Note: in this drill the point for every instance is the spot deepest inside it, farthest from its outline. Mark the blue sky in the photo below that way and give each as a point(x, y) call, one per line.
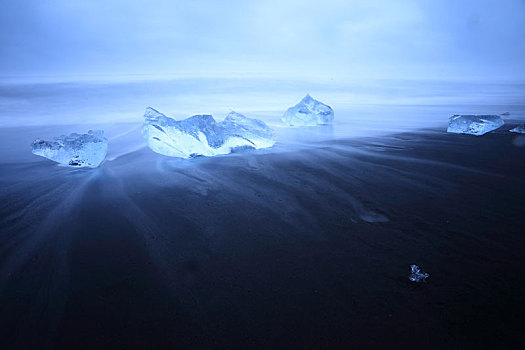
point(332, 39)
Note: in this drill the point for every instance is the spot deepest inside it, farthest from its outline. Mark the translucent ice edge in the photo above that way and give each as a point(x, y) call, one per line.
point(202, 135)
point(474, 124)
point(308, 112)
point(75, 150)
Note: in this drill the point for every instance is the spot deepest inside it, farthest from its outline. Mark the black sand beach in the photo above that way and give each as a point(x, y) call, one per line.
point(308, 248)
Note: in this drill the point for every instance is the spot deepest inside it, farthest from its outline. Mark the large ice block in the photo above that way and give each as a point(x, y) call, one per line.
point(308, 112)
point(76, 150)
point(474, 124)
point(520, 129)
point(202, 135)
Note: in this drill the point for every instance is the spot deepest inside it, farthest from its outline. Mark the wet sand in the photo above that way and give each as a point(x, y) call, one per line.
point(308, 247)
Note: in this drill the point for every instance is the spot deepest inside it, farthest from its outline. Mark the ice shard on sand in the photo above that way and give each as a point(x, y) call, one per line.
point(202, 135)
point(308, 112)
point(474, 124)
point(75, 150)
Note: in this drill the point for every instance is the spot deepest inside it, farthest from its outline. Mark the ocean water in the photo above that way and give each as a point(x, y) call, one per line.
point(362, 108)
point(90, 102)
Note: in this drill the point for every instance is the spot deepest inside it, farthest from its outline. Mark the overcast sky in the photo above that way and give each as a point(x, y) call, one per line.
point(337, 39)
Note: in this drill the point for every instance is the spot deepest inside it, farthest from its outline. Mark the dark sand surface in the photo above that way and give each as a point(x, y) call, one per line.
point(305, 248)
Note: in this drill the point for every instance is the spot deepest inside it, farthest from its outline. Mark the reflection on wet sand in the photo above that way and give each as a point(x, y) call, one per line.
point(313, 236)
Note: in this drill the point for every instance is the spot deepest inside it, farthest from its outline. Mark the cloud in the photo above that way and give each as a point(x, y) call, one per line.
point(296, 38)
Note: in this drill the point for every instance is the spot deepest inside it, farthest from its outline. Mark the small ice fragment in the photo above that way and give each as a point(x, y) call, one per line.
point(76, 150)
point(520, 129)
point(474, 124)
point(505, 114)
point(308, 112)
point(202, 135)
point(416, 275)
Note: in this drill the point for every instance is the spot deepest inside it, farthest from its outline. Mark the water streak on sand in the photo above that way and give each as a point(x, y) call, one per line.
point(225, 240)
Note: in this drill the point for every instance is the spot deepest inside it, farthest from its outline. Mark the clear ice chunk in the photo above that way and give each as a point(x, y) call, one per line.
point(308, 112)
point(202, 135)
point(520, 129)
point(76, 150)
point(416, 275)
point(474, 124)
